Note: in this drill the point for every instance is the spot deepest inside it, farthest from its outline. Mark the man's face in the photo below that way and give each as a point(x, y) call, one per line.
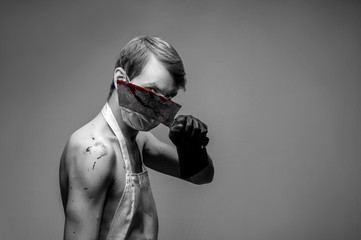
point(156, 78)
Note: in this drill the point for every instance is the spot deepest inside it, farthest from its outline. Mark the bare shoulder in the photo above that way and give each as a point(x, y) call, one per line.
point(88, 159)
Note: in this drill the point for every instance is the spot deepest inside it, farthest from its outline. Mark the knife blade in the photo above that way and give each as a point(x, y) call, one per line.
point(146, 102)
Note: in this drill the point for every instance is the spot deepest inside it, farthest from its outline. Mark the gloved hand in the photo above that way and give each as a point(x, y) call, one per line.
point(188, 134)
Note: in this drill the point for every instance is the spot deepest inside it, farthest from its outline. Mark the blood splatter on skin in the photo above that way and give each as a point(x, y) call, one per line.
point(88, 150)
point(97, 147)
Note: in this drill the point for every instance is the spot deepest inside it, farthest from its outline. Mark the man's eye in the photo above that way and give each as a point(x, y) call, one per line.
point(152, 89)
point(155, 90)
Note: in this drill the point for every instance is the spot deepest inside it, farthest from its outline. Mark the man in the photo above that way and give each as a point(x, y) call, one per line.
point(104, 184)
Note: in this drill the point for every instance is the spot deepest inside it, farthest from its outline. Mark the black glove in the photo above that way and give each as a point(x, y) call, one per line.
point(188, 134)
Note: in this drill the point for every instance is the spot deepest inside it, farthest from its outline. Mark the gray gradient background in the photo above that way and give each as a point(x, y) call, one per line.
point(277, 82)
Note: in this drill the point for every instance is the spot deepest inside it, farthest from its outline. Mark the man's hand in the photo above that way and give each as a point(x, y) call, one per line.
point(188, 134)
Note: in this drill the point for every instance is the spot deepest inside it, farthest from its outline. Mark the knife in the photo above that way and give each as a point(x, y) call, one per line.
point(150, 104)
point(146, 102)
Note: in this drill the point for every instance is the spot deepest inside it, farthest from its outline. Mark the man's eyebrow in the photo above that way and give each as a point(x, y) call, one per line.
point(150, 84)
point(155, 85)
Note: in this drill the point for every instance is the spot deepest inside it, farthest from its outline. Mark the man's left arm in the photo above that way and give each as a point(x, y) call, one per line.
point(188, 158)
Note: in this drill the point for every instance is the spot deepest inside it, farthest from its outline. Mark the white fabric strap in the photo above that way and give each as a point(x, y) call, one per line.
point(112, 122)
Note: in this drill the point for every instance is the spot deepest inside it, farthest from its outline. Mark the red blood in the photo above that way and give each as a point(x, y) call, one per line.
point(133, 86)
point(132, 89)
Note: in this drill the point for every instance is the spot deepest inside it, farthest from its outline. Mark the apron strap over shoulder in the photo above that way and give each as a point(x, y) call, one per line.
point(112, 122)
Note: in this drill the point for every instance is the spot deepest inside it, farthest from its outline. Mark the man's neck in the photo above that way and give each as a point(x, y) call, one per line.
point(129, 133)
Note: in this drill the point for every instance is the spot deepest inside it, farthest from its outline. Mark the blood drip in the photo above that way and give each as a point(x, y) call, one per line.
point(132, 89)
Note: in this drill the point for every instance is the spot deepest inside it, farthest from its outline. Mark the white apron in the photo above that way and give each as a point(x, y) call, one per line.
point(136, 215)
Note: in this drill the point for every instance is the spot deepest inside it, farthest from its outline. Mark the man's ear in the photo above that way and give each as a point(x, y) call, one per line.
point(119, 74)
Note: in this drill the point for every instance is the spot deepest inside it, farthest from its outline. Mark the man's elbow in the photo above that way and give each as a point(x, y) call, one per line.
point(203, 181)
point(203, 177)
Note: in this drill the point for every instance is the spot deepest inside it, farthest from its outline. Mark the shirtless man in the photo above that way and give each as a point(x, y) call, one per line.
point(103, 180)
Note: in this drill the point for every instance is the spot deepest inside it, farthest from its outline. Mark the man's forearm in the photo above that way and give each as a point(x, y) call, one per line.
point(193, 161)
point(205, 175)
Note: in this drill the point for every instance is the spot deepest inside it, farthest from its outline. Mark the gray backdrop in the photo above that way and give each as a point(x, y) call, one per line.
point(277, 82)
